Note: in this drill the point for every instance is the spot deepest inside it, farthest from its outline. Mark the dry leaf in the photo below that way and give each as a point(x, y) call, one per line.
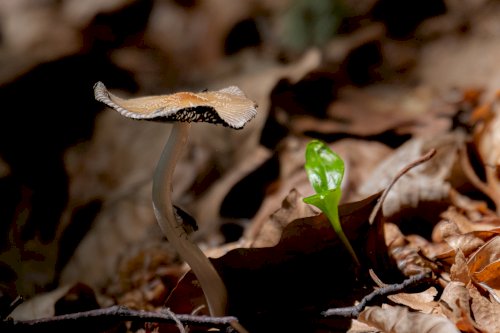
point(119, 224)
point(206, 210)
point(444, 229)
point(455, 304)
point(459, 271)
point(422, 301)
point(484, 266)
point(428, 182)
point(487, 142)
point(486, 312)
point(464, 223)
point(292, 208)
point(406, 255)
point(399, 320)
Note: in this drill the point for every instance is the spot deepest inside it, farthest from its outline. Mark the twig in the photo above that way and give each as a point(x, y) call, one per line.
point(116, 313)
point(177, 321)
point(354, 311)
point(400, 174)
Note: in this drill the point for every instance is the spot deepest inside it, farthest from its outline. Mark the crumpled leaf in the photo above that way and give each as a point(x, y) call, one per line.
point(486, 312)
point(292, 208)
point(422, 301)
point(484, 266)
point(487, 142)
point(459, 271)
point(396, 319)
point(455, 304)
point(465, 224)
point(428, 182)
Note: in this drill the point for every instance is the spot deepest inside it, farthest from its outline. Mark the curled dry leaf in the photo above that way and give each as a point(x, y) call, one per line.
point(486, 312)
point(467, 243)
point(396, 319)
point(487, 142)
point(422, 301)
point(455, 304)
point(292, 208)
point(459, 271)
point(484, 266)
point(428, 182)
point(465, 224)
point(405, 253)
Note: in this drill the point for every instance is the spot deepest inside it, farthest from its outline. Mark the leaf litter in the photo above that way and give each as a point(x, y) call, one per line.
point(282, 263)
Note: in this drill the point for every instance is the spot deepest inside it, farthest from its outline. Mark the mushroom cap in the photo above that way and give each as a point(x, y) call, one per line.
point(229, 106)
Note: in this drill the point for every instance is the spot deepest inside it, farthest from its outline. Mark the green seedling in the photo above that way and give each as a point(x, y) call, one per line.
point(325, 170)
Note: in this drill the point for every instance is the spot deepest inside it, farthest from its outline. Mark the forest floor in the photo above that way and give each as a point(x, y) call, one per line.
point(412, 108)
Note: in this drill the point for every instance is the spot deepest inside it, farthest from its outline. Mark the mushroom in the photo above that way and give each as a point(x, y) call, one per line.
point(229, 107)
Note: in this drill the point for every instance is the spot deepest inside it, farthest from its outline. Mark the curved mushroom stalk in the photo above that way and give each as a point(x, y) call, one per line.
point(210, 281)
point(228, 107)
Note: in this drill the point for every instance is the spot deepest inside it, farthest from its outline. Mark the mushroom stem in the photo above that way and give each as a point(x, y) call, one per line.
point(210, 281)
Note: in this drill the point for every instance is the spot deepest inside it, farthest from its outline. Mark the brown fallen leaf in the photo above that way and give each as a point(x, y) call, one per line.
point(459, 271)
point(422, 301)
point(207, 208)
point(487, 143)
point(465, 224)
point(455, 304)
point(467, 243)
point(484, 267)
point(486, 312)
point(396, 319)
point(426, 183)
point(292, 208)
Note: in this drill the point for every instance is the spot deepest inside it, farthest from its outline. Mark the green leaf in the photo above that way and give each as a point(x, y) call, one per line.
point(325, 170)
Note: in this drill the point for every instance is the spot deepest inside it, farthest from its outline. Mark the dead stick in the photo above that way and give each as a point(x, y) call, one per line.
point(117, 313)
point(354, 311)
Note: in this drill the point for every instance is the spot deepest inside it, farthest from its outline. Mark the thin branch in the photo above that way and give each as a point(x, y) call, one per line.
point(400, 174)
point(177, 321)
point(354, 311)
point(114, 313)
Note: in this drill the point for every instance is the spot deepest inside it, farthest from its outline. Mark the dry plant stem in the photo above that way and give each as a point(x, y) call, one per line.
point(400, 174)
point(210, 281)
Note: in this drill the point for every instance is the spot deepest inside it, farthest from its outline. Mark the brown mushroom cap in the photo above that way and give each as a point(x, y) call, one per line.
point(229, 106)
